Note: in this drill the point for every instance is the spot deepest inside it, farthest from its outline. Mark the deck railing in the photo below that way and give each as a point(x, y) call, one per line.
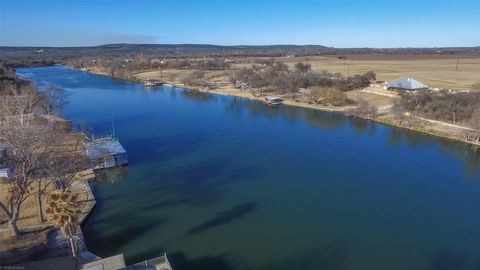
point(159, 263)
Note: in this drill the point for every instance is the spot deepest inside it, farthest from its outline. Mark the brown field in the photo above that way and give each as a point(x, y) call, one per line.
point(437, 71)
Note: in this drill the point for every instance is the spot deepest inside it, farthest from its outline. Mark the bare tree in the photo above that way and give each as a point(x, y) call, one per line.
point(329, 96)
point(34, 150)
point(363, 109)
point(303, 67)
point(54, 100)
point(474, 133)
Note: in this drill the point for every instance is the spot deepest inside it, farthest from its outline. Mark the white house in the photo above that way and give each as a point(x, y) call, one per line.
point(406, 83)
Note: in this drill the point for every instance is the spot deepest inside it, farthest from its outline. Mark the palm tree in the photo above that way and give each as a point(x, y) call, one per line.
point(62, 210)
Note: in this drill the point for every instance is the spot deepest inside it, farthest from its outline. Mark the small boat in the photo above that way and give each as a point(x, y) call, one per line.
point(272, 100)
point(152, 83)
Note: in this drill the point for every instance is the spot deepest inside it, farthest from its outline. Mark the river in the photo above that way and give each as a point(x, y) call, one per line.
point(221, 182)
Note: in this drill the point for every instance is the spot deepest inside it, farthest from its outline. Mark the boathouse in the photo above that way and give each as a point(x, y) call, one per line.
point(272, 100)
point(152, 83)
point(405, 83)
point(106, 153)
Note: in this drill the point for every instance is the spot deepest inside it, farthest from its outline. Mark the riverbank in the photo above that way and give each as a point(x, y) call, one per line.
point(206, 167)
point(381, 102)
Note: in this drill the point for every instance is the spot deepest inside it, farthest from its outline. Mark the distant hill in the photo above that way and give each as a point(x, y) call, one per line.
point(50, 55)
point(176, 49)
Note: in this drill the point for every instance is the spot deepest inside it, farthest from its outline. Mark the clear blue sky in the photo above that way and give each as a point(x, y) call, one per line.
point(337, 23)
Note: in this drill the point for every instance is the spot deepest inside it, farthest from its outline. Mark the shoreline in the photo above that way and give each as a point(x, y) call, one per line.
point(385, 120)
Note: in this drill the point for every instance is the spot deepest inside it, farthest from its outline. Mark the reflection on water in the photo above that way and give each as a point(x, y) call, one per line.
point(197, 95)
point(223, 182)
point(112, 174)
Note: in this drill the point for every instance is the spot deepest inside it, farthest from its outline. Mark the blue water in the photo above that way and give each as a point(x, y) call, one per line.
point(221, 182)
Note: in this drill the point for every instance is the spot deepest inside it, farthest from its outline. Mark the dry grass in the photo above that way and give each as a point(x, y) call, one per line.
point(437, 71)
point(28, 213)
point(372, 99)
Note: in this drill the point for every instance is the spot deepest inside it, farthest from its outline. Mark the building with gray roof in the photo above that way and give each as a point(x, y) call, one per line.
point(106, 153)
point(406, 83)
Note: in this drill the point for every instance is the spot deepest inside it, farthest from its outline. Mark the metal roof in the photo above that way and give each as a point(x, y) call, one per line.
point(272, 98)
point(406, 83)
point(104, 147)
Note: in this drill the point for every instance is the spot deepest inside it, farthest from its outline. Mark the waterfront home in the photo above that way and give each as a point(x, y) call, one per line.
point(272, 100)
point(405, 83)
point(106, 153)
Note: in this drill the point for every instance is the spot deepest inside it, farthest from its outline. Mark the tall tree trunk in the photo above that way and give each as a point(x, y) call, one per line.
point(13, 227)
point(39, 202)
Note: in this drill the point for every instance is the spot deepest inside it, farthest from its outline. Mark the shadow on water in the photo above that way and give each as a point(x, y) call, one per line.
point(162, 149)
point(332, 120)
point(447, 260)
point(314, 118)
point(200, 183)
point(197, 184)
point(112, 175)
point(224, 218)
point(333, 256)
point(362, 126)
point(197, 95)
point(180, 262)
point(468, 154)
point(126, 231)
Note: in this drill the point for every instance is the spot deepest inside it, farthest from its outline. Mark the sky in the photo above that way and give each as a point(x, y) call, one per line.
point(333, 23)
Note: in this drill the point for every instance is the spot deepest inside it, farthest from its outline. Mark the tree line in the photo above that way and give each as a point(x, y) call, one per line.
point(322, 87)
point(41, 149)
point(455, 107)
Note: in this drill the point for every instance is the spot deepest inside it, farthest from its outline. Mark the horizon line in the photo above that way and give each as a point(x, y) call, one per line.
point(237, 45)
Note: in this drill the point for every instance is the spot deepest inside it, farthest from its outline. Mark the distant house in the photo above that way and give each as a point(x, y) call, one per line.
point(5, 171)
point(241, 85)
point(106, 153)
point(405, 83)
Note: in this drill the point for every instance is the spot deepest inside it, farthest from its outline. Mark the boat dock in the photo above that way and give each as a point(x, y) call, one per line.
point(106, 153)
point(152, 83)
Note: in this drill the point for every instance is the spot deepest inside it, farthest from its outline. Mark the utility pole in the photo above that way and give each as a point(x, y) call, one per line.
point(456, 68)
